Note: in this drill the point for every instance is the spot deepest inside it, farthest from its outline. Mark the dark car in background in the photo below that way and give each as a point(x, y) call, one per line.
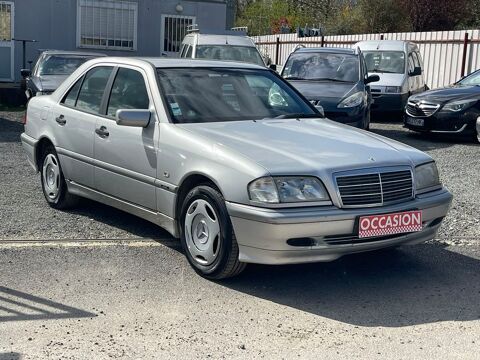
point(335, 79)
point(51, 68)
point(451, 110)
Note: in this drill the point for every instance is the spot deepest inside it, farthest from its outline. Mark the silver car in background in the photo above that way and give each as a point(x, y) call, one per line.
point(232, 160)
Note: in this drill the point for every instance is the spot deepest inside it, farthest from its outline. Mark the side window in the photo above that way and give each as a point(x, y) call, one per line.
point(411, 64)
point(419, 58)
point(128, 92)
point(189, 52)
point(91, 92)
point(182, 52)
point(71, 98)
point(415, 59)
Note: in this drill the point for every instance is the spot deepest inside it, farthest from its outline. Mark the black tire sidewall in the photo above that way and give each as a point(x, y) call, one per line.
point(215, 200)
point(62, 186)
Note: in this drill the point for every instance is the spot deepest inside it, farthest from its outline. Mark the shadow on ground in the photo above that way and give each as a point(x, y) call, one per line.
point(413, 285)
point(10, 130)
point(10, 356)
point(19, 306)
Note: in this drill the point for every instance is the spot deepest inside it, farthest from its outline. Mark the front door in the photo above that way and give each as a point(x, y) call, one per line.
point(6, 42)
point(174, 29)
point(125, 157)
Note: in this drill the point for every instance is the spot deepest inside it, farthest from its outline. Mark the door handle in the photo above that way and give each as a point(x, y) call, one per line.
point(102, 132)
point(61, 120)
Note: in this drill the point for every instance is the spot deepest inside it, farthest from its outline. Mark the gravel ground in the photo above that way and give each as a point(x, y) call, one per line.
point(25, 215)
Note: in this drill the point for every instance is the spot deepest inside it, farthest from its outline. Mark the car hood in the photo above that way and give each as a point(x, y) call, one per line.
point(307, 146)
point(388, 79)
point(49, 82)
point(449, 93)
point(318, 90)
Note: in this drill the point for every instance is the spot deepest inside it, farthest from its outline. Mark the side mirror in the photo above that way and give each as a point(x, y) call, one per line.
point(372, 78)
point(320, 110)
point(164, 54)
point(416, 71)
point(135, 118)
point(26, 72)
point(273, 67)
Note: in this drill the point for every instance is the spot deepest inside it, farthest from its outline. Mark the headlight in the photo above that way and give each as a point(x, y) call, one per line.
point(393, 89)
point(459, 105)
point(287, 189)
point(426, 176)
point(352, 101)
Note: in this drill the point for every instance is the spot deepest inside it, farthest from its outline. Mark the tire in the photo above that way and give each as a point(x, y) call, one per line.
point(53, 182)
point(207, 235)
point(367, 121)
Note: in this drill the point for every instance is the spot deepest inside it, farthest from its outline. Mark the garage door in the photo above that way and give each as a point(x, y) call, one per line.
point(6, 42)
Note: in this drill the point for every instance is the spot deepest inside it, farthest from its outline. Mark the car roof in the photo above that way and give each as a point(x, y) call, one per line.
point(66, 52)
point(334, 50)
point(392, 45)
point(165, 62)
point(215, 39)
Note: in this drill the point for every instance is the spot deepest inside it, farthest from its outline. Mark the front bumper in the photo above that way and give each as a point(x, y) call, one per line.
point(444, 122)
point(348, 116)
point(383, 102)
point(278, 236)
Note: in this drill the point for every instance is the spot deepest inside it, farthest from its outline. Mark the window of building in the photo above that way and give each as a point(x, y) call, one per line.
point(174, 29)
point(107, 24)
point(5, 22)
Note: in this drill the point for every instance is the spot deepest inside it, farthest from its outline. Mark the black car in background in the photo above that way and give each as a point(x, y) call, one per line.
point(335, 79)
point(451, 110)
point(51, 68)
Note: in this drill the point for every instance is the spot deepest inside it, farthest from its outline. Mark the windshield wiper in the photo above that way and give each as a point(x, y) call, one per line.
point(327, 79)
point(383, 71)
point(294, 78)
point(294, 116)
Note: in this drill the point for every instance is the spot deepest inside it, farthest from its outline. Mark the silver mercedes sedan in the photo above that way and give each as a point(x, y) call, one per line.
point(232, 160)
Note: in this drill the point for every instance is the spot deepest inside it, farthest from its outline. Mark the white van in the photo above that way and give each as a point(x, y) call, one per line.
point(232, 45)
point(400, 68)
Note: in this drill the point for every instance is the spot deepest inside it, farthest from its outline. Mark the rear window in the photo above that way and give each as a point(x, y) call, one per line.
point(248, 54)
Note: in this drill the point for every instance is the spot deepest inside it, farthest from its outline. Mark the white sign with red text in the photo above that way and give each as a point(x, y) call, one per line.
point(388, 224)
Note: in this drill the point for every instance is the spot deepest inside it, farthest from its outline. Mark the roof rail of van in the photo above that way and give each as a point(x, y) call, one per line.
point(240, 28)
point(193, 28)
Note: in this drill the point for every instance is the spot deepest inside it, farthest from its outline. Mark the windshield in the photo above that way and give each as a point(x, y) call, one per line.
point(61, 64)
point(322, 66)
point(472, 79)
point(199, 95)
point(247, 54)
point(385, 61)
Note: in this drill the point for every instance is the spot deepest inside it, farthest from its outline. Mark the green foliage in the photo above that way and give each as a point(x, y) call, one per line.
point(338, 17)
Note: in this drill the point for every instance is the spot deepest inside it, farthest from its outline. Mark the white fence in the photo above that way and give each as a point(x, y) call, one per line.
point(445, 53)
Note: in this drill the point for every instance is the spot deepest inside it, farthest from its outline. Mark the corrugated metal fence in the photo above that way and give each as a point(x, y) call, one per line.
point(446, 54)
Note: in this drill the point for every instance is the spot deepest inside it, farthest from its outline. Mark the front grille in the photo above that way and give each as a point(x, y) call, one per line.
point(375, 189)
point(421, 109)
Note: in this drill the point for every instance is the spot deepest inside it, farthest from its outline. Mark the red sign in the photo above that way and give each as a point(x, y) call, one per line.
point(388, 224)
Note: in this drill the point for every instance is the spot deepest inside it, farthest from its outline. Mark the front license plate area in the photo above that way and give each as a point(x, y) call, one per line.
point(389, 224)
point(415, 121)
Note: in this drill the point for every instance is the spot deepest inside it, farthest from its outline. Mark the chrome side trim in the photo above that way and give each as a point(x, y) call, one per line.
point(119, 170)
point(157, 218)
point(450, 132)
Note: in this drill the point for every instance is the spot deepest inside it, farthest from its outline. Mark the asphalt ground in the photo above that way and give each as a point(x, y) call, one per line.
point(97, 283)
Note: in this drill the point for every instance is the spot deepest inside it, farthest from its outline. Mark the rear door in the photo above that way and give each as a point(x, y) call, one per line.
point(74, 121)
point(126, 158)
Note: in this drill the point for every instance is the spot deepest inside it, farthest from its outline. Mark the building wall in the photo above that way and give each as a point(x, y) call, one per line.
point(53, 23)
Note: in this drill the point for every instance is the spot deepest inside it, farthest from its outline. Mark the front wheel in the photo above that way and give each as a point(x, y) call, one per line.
point(207, 234)
point(53, 182)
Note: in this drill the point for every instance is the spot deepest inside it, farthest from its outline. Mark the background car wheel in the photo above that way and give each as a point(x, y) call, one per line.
point(367, 121)
point(53, 183)
point(207, 234)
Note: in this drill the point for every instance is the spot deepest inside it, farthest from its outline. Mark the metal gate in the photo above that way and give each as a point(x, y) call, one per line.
point(174, 29)
point(6, 42)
